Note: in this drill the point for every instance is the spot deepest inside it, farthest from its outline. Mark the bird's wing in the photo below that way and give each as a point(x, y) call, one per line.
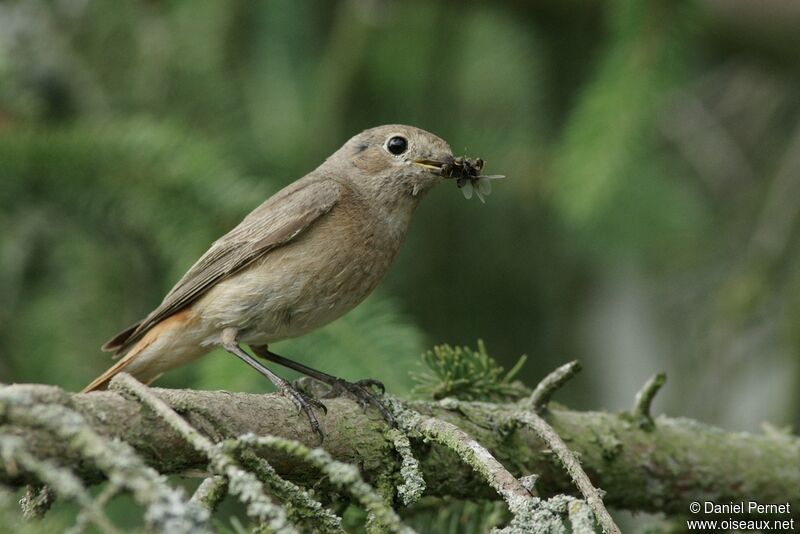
point(276, 222)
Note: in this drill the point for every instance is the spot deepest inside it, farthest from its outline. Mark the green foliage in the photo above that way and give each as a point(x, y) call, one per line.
point(467, 374)
point(99, 220)
point(605, 179)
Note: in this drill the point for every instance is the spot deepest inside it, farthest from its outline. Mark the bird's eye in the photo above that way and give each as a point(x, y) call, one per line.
point(397, 145)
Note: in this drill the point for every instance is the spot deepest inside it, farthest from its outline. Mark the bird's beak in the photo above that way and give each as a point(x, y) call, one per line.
point(432, 165)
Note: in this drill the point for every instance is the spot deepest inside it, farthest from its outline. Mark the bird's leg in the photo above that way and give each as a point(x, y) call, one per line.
point(360, 389)
point(302, 401)
point(263, 352)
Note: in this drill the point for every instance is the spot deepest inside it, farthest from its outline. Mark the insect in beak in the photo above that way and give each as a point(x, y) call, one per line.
point(469, 179)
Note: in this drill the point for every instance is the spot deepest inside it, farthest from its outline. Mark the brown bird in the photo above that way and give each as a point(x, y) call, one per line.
point(306, 256)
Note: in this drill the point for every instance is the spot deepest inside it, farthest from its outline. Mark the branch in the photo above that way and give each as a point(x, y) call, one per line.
point(644, 398)
point(243, 484)
point(551, 383)
point(661, 470)
point(573, 467)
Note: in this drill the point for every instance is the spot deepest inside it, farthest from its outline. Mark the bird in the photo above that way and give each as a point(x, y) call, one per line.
point(303, 258)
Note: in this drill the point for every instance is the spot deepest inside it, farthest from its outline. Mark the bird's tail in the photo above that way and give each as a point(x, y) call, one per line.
point(166, 345)
point(101, 382)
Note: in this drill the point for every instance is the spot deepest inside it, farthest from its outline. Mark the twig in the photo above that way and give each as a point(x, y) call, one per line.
point(573, 467)
point(304, 506)
point(644, 398)
point(344, 475)
point(538, 402)
point(480, 459)
point(472, 452)
point(100, 502)
point(544, 390)
point(210, 492)
point(126, 384)
point(12, 451)
point(413, 486)
point(241, 483)
point(527, 510)
point(44, 407)
point(738, 462)
point(531, 514)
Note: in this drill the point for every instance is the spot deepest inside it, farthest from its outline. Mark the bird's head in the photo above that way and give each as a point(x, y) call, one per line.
point(393, 163)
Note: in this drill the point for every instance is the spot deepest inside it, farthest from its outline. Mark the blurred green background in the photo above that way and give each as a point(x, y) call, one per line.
point(650, 220)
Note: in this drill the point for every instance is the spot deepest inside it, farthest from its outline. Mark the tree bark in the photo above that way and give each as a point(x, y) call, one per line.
point(660, 470)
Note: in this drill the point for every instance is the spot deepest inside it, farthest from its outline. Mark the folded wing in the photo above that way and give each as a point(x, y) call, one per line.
point(276, 222)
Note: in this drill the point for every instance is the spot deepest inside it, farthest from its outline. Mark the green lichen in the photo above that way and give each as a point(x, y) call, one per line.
point(241, 483)
point(535, 517)
point(211, 492)
point(47, 408)
point(36, 501)
point(413, 485)
point(581, 517)
point(570, 461)
point(610, 445)
point(13, 453)
point(529, 514)
point(343, 475)
point(300, 505)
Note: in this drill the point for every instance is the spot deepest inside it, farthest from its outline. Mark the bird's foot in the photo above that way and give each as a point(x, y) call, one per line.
point(304, 404)
point(361, 391)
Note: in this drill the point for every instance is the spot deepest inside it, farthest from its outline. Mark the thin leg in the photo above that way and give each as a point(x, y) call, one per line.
point(322, 376)
point(303, 402)
point(360, 389)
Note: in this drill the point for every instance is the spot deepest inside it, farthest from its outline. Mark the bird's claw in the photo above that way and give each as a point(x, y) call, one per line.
point(305, 404)
point(341, 386)
point(361, 391)
point(368, 383)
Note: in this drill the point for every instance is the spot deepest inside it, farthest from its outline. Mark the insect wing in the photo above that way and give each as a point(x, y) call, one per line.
point(467, 190)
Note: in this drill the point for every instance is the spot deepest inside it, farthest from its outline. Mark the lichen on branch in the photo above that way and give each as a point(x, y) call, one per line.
point(655, 471)
point(258, 449)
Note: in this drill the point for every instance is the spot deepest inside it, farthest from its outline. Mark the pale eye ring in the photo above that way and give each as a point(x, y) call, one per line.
point(397, 145)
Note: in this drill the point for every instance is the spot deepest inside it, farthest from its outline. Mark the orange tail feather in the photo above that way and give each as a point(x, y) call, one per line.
point(101, 382)
point(169, 328)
